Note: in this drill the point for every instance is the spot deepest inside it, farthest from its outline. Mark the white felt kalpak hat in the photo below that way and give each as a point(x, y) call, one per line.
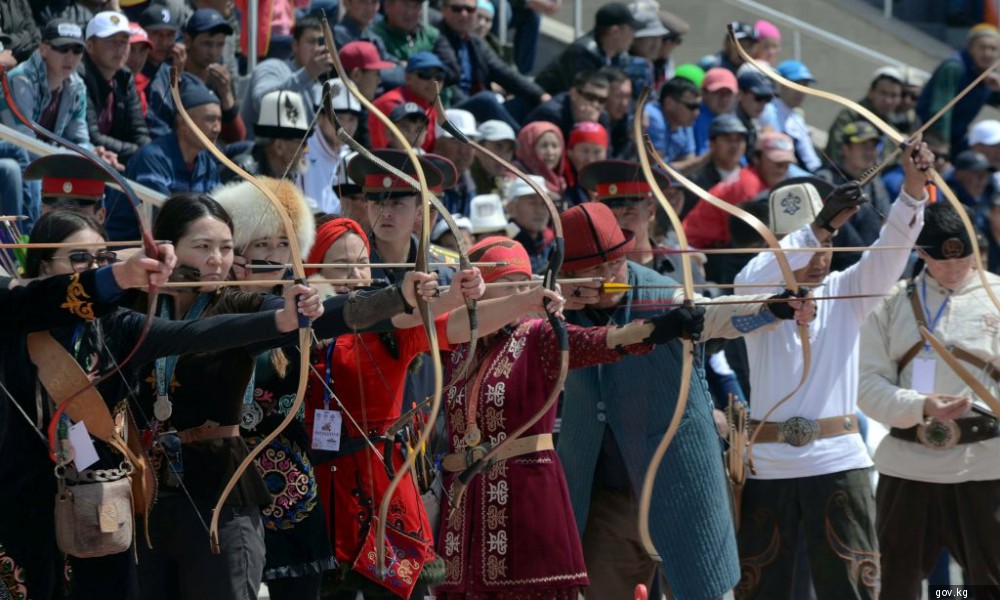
point(794, 203)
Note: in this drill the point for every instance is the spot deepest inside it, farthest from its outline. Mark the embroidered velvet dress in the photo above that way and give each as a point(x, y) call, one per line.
point(513, 535)
point(369, 380)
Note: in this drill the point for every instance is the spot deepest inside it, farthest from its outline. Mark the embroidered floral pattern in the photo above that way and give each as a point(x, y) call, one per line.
point(77, 299)
point(289, 477)
point(12, 584)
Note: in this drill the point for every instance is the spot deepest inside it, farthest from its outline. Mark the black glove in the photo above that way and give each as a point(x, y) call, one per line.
point(844, 197)
point(784, 310)
point(687, 322)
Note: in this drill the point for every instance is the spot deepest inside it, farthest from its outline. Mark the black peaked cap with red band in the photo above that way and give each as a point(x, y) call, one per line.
point(68, 176)
point(613, 179)
point(449, 174)
point(379, 184)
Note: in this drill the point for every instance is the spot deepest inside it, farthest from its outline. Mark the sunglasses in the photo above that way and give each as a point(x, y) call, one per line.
point(763, 97)
point(74, 48)
point(82, 257)
point(692, 105)
point(462, 9)
point(433, 74)
point(592, 97)
point(673, 39)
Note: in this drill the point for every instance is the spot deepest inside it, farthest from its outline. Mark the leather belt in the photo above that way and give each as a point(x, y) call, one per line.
point(460, 461)
point(210, 430)
point(941, 435)
point(799, 431)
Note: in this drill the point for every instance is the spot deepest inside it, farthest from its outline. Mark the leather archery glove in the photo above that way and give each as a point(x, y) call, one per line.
point(687, 322)
point(844, 197)
point(784, 310)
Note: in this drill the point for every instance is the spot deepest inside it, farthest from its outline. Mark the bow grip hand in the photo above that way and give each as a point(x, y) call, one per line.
point(686, 321)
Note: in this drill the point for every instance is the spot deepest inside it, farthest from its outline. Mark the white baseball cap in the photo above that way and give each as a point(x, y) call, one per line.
point(521, 187)
point(462, 120)
point(495, 130)
point(985, 132)
point(442, 228)
point(106, 24)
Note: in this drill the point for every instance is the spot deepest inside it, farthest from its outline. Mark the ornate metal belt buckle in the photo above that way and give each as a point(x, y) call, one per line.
point(798, 431)
point(939, 435)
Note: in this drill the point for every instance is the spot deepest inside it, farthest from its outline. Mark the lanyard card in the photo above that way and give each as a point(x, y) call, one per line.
point(84, 452)
point(326, 430)
point(923, 375)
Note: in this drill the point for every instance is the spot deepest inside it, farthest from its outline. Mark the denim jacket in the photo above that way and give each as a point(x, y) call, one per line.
point(30, 85)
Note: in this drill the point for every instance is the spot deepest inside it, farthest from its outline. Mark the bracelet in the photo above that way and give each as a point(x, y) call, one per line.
point(406, 305)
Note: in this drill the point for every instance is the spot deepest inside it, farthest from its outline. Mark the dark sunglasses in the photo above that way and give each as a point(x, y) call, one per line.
point(592, 97)
point(692, 105)
point(673, 39)
point(763, 97)
point(74, 48)
point(82, 257)
point(462, 9)
point(910, 95)
point(431, 74)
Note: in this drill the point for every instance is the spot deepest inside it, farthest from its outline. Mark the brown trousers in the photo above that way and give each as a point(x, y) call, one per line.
point(915, 520)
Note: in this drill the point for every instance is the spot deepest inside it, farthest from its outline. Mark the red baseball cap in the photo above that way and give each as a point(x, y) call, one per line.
point(138, 35)
point(362, 55)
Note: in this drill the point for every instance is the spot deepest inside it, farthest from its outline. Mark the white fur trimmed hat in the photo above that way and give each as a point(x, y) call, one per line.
point(254, 216)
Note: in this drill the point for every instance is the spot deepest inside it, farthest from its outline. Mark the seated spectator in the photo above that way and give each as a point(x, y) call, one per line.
point(303, 73)
point(280, 129)
point(412, 121)
point(892, 176)
point(859, 152)
point(325, 150)
point(583, 102)
point(729, 57)
point(727, 145)
point(162, 26)
point(540, 150)
point(607, 45)
point(356, 26)
point(488, 218)
point(139, 47)
point(984, 137)
point(882, 98)
point(718, 93)
point(645, 47)
point(485, 13)
point(990, 228)
point(954, 74)
point(756, 91)
point(404, 34)
point(63, 10)
point(783, 116)
point(970, 179)
point(114, 112)
point(70, 182)
point(443, 236)
point(424, 72)
point(489, 176)
point(692, 73)
point(176, 162)
point(588, 142)
point(530, 214)
point(456, 199)
point(905, 118)
point(17, 21)
point(708, 227)
point(664, 68)
point(480, 69)
point(619, 109)
point(230, 49)
point(670, 123)
point(7, 59)
point(364, 66)
point(768, 47)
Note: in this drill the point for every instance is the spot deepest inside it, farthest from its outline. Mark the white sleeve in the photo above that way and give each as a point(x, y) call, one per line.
point(764, 269)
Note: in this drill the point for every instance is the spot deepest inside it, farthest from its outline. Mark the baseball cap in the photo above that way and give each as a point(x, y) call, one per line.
point(795, 70)
point(888, 73)
point(744, 31)
point(362, 55)
point(725, 124)
point(616, 13)
point(767, 30)
point(521, 188)
point(195, 94)
point(159, 17)
point(675, 25)
point(424, 60)
point(691, 72)
point(461, 120)
point(985, 132)
point(857, 132)
point(207, 19)
point(777, 147)
point(406, 109)
point(648, 14)
point(970, 160)
point(755, 82)
point(719, 78)
point(106, 24)
point(139, 35)
point(495, 130)
point(59, 32)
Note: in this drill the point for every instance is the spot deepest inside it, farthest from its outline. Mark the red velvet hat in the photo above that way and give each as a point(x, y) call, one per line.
point(593, 236)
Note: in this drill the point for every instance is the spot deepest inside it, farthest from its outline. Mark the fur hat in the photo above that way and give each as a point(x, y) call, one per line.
point(255, 217)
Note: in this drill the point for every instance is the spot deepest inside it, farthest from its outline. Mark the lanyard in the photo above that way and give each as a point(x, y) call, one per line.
point(931, 324)
point(329, 376)
point(165, 365)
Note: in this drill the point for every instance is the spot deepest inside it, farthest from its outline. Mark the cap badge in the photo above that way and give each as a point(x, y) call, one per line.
point(114, 19)
point(387, 182)
point(164, 15)
point(67, 187)
point(952, 248)
point(613, 189)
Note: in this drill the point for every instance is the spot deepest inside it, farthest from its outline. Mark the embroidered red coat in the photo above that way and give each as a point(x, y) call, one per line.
point(514, 530)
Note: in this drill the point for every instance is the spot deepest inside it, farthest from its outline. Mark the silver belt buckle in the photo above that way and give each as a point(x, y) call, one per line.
point(798, 431)
point(939, 435)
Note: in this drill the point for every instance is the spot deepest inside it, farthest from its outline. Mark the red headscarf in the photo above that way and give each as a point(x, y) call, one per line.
point(330, 232)
point(526, 140)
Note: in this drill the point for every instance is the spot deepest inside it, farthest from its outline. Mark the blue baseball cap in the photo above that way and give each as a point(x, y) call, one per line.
point(795, 70)
point(424, 60)
point(195, 94)
point(755, 82)
point(207, 19)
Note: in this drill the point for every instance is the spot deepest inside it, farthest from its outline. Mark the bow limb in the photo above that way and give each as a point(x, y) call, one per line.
point(687, 365)
point(558, 325)
point(978, 388)
point(899, 139)
point(426, 315)
point(779, 256)
point(149, 246)
point(305, 335)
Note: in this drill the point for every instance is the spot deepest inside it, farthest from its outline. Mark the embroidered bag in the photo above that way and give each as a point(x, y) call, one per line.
point(404, 557)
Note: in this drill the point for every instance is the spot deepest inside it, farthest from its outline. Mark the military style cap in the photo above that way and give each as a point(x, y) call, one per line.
point(68, 176)
point(449, 174)
point(378, 184)
point(619, 179)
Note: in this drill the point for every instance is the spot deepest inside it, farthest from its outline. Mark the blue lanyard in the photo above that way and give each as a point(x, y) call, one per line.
point(329, 376)
point(931, 324)
point(165, 365)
